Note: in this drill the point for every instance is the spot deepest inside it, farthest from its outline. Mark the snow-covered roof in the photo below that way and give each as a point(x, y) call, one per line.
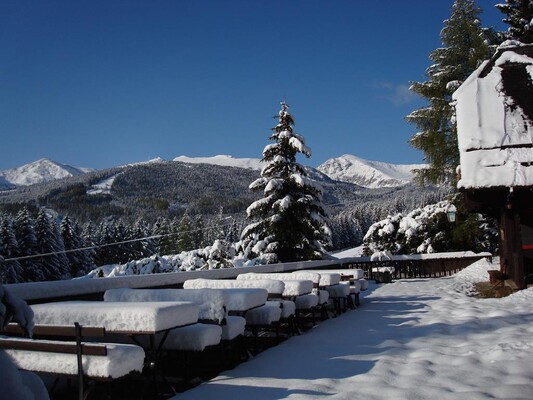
point(495, 121)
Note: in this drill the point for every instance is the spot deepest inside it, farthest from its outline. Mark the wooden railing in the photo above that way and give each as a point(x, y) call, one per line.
point(418, 265)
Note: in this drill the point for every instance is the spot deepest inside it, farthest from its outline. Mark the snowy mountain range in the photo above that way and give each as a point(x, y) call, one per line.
point(347, 168)
point(40, 171)
point(370, 174)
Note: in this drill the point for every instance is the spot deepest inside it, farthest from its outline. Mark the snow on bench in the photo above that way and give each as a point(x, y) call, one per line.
point(94, 360)
point(273, 287)
point(118, 317)
point(259, 313)
point(194, 337)
point(239, 298)
point(197, 337)
point(111, 360)
point(304, 297)
point(293, 286)
point(301, 288)
point(344, 273)
point(211, 301)
point(327, 278)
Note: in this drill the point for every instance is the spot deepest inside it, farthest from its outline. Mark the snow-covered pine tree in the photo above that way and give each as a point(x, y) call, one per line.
point(519, 18)
point(289, 222)
point(168, 232)
point(233, 231)
point(465, 46)
point(87, 237)
point(186, 235)
point(71, 234)
point(199, 232)
point(123, 248)
point(27, 246)
point(142, 248)
point(53, 265)
point(10, 271)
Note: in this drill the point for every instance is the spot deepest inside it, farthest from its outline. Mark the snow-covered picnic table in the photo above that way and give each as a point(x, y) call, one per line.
point(212, 302)
point(118, 317)
point(346, 274)
point(138, 321)
point(294, 286)
point(238, 299)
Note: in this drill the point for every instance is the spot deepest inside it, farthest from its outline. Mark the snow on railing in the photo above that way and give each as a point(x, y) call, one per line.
point(35, 292)
point(83, 287)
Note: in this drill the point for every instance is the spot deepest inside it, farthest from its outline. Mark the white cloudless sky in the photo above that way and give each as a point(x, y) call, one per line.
point(103, 83)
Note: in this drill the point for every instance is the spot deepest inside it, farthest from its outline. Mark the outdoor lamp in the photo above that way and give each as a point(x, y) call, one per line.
point(451, 213)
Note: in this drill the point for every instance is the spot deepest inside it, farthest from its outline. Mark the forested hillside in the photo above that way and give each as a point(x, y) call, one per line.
point(194, 204)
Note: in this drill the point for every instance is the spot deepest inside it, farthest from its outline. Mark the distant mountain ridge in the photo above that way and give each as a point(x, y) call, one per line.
point(40, 171)
point(347, 168)
point(224, 161)
point(370, 174)
point(145, 192)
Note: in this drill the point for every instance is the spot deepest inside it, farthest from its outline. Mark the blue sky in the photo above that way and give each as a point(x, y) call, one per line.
point(102, 83)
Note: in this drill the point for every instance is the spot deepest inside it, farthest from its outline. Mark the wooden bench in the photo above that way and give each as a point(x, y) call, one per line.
point(51, 352)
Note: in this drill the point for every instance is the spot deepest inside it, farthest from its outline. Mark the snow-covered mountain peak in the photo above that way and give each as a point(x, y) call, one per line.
point(43, 170)
point(370, 174)
point(152, 161)
point(224, 160)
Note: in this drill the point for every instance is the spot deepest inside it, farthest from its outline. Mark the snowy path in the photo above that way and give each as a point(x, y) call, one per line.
point(413, 339)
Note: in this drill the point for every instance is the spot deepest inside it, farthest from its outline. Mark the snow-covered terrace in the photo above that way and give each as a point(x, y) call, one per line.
point(412, 339)
point(420, 338)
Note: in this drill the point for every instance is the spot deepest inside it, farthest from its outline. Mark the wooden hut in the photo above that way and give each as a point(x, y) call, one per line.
point(494, 109)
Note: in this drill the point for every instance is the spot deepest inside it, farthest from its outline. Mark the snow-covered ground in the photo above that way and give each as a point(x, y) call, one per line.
point(353, 252)
point(412, 339)
point(103, 187)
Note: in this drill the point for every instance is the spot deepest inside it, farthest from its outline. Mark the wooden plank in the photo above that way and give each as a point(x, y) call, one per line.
point(53, 347)
point(55, 330)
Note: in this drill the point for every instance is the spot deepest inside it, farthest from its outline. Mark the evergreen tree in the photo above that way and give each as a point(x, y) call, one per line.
point(86, 255)
point(142, 248)
point(87, 238)
point(27, 246)
point(168, 230)
point(233, 232)
point(288, 223)
point(48, 243)
point(199, 232)
point(346, 230)
point(103, 236)
point(186, 235)
point(464, 47)
point(220, 225)
point(71, 234)
point(122, 248)
point(519, 18)
point(10, 271)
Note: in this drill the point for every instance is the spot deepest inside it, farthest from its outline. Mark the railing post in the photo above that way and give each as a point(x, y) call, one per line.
point(79, 360)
